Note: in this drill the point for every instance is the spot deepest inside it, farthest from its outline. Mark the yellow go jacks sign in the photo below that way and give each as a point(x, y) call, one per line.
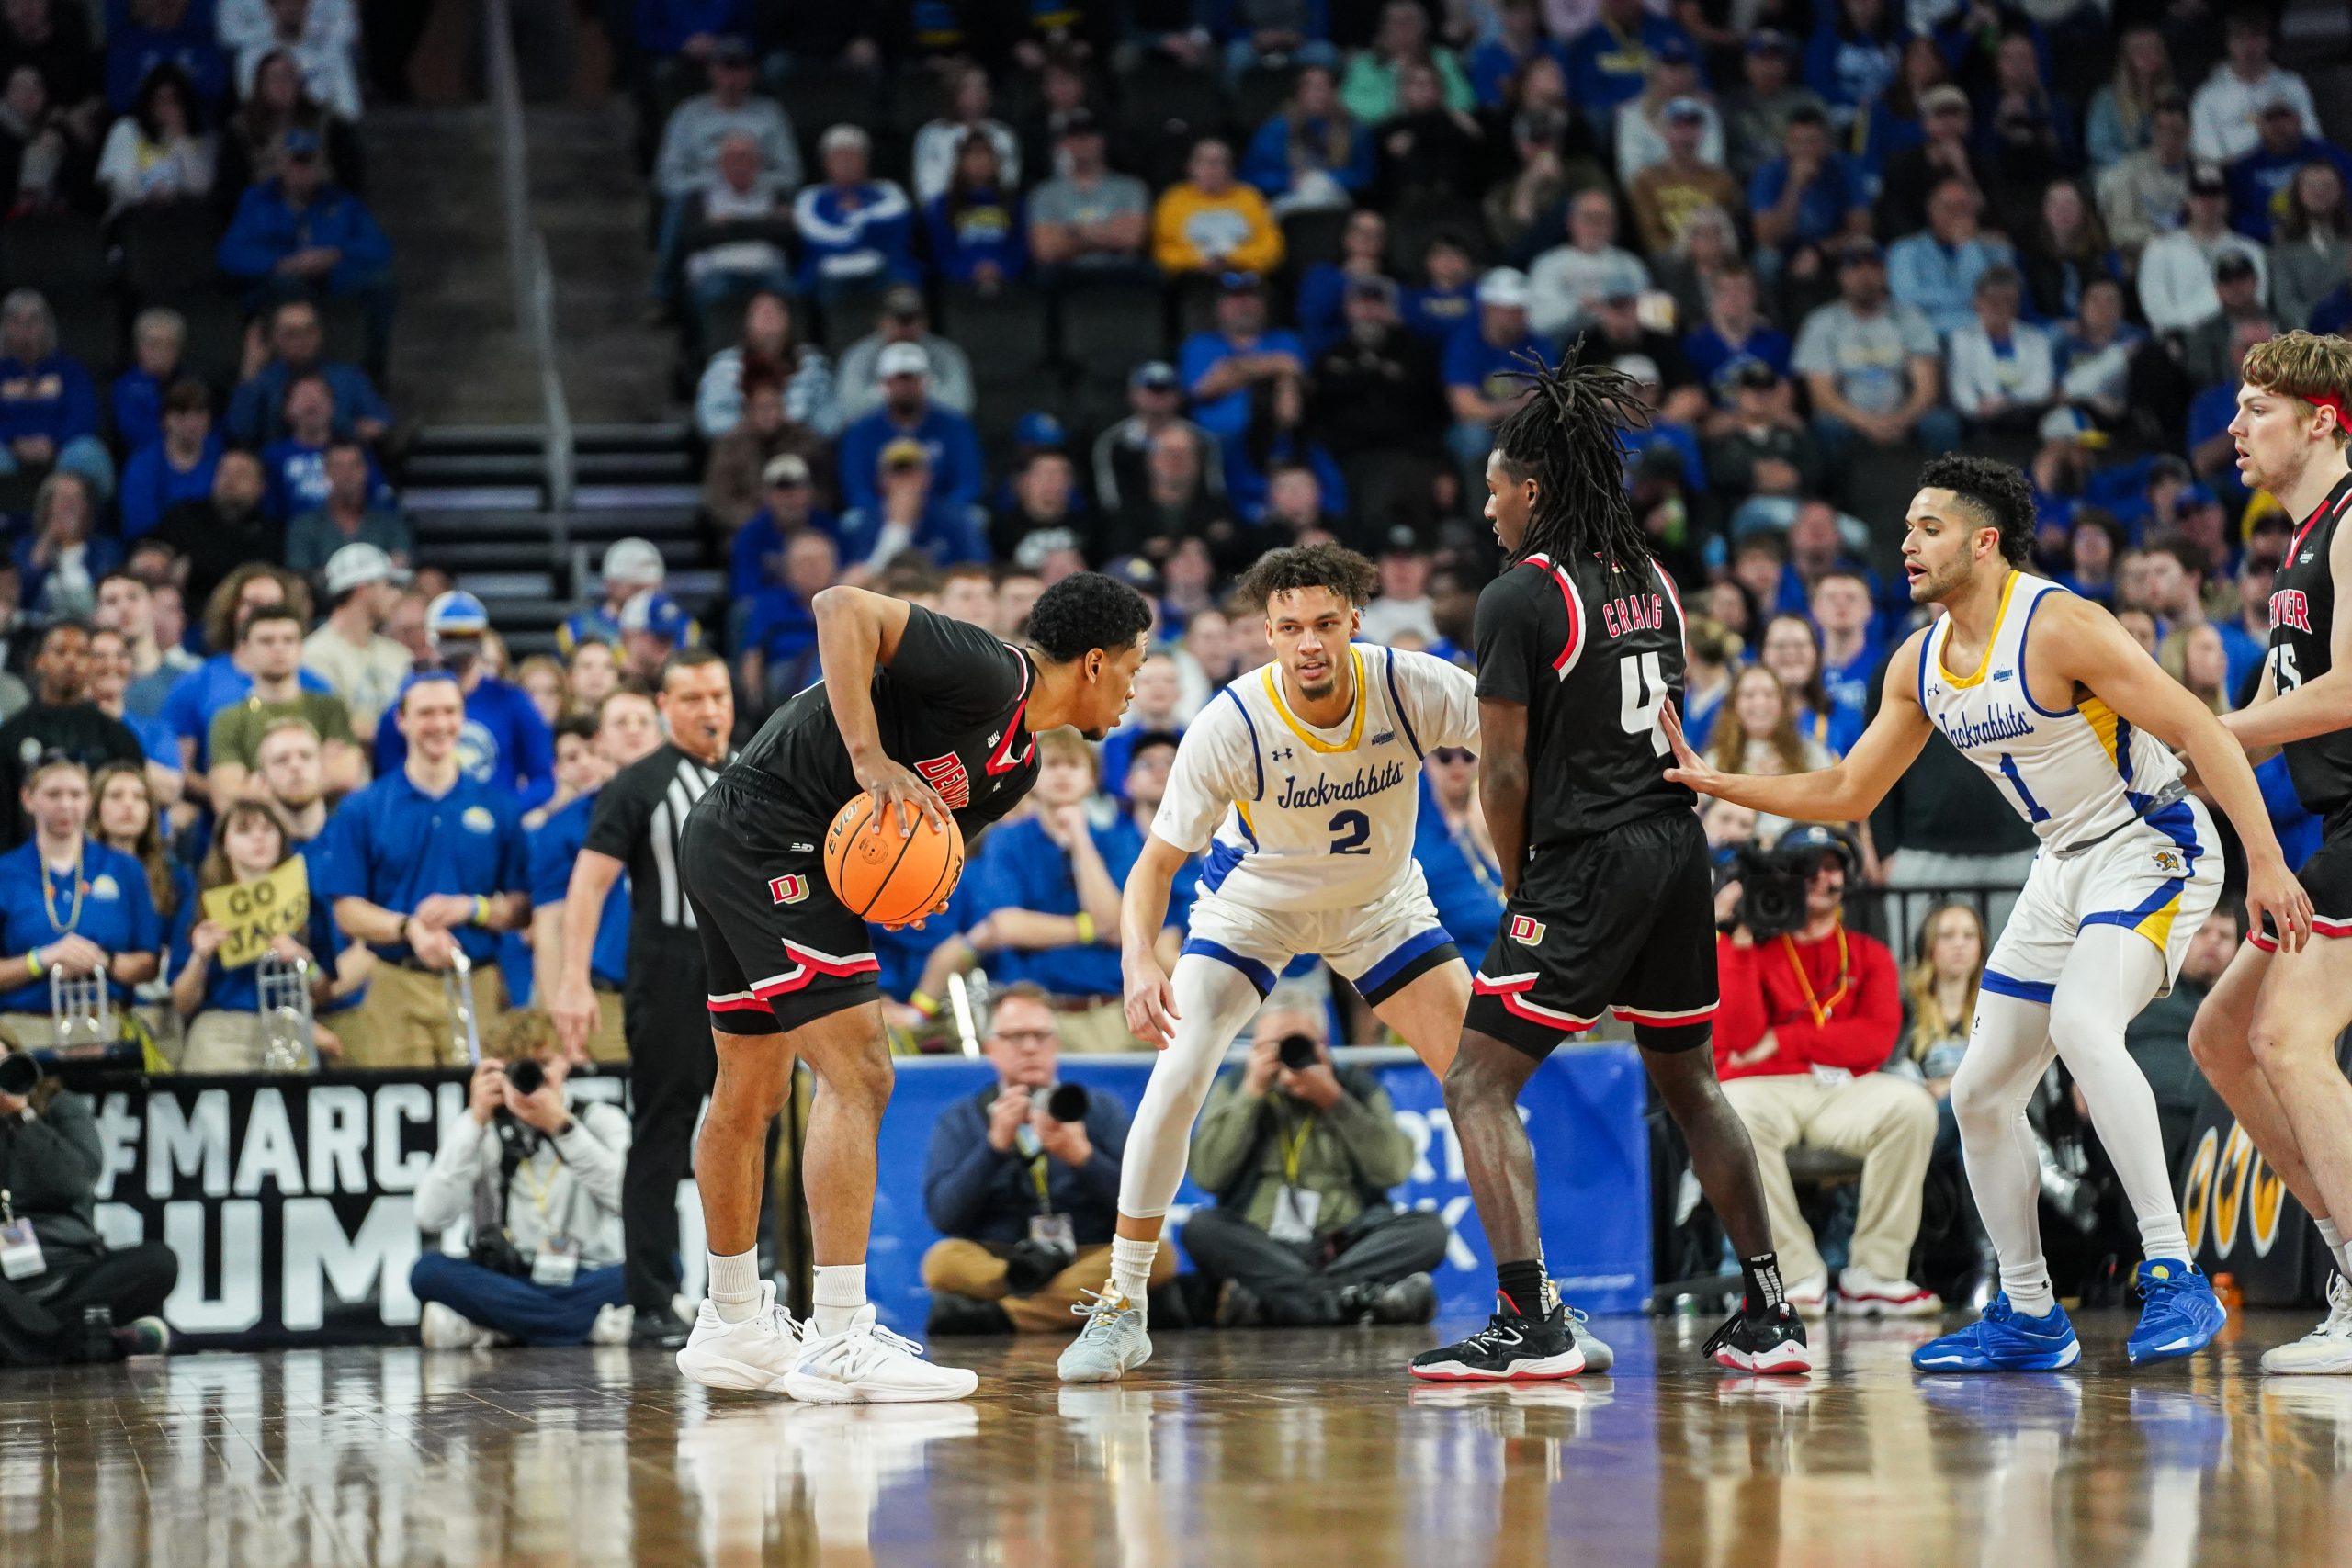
point(257, 913)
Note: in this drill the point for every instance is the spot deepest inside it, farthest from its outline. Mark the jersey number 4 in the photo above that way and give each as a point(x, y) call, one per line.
point(1642, 681)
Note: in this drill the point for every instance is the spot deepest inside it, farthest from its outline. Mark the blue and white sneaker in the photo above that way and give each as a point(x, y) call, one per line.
point(2004, 1340)
point(2181, 1315)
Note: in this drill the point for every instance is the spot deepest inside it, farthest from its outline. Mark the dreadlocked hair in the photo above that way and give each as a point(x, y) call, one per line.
point(1566, 439)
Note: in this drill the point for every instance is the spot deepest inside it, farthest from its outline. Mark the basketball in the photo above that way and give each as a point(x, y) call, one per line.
point(885, 876)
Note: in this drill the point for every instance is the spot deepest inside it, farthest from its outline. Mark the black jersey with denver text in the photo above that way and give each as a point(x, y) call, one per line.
point(949, 704)
point(1593, 652)
point(2302, 620)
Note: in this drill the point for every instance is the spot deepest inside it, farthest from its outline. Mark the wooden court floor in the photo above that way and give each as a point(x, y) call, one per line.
point(1306, 1450)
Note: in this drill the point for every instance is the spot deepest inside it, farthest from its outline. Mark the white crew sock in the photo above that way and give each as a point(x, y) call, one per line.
point(2335, 1240)
point(2028, 1288)
point(840, 1290)
point(1131, 1269)
point(735, 1285)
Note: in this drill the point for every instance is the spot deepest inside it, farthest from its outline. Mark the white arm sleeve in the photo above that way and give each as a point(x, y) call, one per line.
point(1216, 765)
point(1441, 699)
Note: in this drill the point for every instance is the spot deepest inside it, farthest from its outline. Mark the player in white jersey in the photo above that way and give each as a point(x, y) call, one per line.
point(1300, 780)
point(2046, 693)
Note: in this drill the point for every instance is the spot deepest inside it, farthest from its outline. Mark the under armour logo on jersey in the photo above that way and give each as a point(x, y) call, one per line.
point(1281, 756)
point(1384, 738)
point(1526, 931)
point(789, 889)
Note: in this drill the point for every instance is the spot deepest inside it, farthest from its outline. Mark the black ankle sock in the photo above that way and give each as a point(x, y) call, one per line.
point(1522, 1286)
point(1762, 1275)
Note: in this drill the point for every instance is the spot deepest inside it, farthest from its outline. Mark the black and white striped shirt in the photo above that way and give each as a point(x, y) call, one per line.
point(638, 818)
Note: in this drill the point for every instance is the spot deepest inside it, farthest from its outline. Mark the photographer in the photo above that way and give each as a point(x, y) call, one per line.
point(1025, 1196)
point(1810, 1014)
point(64, 1294)
point(541, 1184)
point(1301, 1155)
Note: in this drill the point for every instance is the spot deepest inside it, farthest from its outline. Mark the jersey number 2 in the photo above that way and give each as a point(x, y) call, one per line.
point(1352, 834)
point(1642, 680)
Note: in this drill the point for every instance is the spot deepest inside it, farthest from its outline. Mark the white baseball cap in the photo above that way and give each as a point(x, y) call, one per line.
point(1506, 285)
point(358, 565)
point(902, 359)
point(633, 560)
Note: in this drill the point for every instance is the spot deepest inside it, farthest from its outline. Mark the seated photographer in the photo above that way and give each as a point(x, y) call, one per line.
point(69, 905)
point(64, 1294)
point(1025, 1197)
point(1301, 1155)
point(541, 1184)
point(1810, 1014)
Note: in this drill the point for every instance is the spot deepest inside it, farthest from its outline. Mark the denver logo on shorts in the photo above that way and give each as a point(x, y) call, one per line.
point(1526, 931)
point(789, 889)
point(948, 776)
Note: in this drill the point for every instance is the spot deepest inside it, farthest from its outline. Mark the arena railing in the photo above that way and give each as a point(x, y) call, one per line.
point(533, 277)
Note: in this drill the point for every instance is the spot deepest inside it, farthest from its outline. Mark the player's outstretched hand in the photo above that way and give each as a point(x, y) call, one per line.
point(1151, 1004)
point(1689, 768)
point(894, 784)
point(2271, 889)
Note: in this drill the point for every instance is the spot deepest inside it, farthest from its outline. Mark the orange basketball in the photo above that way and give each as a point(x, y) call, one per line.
point(885, 876)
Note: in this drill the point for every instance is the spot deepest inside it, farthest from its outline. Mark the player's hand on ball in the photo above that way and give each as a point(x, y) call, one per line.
point(1689, 768)
point(2271, 889)
point(1152, 1005)
point(893, 784)
point(916, 925)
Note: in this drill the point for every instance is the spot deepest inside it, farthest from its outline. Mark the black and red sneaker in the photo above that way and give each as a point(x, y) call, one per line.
point(1512, 1348)
point(1772, 1342)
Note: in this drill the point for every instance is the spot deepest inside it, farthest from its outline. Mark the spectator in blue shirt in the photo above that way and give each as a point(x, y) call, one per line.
point(854, 231)
point(422, 864)
point(624, 729)
point(951, 447)
point(1222, 367)
point(1323, 291)
point(299, 234)
point(503, 745)
point(1454, 851)
point(145, 34)
point(1312, 153)
point(177, 466)
point(756, 560)
point(1853, 55)
point(62, 557)
point(221, 680)
point(1480, 359)
point(1449, 300)
point(1935, 271)
point(2259, 181)
point(779, 642)
point(1841, 609)
point(49, 408)
point(257, 408)
point(1804, 199)
point(1609, 62)
point(666, 29)
point(69, 904)
point(135, 402)
point(222, 1005)
point(1495, 65)
point(979, 237)
point(1733, 329)
point(296, 463)
point(909, 514)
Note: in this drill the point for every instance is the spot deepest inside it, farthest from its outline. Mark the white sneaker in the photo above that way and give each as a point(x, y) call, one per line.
point(1862, 1293)
point(2328, 1347)
point(1809, 1295)
point(753, 1355)
point(865, 1363)
point(613, 1323)
point(446, 1328)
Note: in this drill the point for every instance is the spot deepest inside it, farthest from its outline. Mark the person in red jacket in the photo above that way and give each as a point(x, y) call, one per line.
point(1807, 1020)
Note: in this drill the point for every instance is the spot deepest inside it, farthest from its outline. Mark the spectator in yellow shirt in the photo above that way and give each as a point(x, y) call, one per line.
point(1211, 223)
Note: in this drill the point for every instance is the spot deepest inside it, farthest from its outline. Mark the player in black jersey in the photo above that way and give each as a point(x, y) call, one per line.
point(1606, 870)
point(2266, 1034)
point(930, 716)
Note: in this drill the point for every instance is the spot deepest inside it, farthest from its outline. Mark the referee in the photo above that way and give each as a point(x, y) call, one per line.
point(664, 1001)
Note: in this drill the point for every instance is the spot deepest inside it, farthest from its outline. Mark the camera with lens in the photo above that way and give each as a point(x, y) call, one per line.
point(1067, 1102)
point(19, 1074)
point(1771, 891)
point(527, 1075)
point(1297, 1052)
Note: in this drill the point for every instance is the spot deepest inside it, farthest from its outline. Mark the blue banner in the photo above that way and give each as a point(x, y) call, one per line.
point(1583, 1110)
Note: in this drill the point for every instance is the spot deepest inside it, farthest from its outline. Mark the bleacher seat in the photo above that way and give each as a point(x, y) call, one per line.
point(216, 341)
point(1414, 224)
point(90, 328)
point(1313, 236)
point(57, 254)
point(846, 318)
point(1109, 327)
point(167, 253)
point(1259, 95)
point(343, 324)
point(1005, 335)
point(819, 100)
point(1163, 109)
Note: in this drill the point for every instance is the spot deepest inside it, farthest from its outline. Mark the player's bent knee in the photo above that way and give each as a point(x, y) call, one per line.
point(2280, 1042)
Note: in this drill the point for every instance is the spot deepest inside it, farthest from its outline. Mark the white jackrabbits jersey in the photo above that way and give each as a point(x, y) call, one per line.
point(1295, 818)
point(2075, 773)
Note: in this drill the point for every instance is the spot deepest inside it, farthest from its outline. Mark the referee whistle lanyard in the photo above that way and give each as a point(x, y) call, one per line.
point(1822, 1008)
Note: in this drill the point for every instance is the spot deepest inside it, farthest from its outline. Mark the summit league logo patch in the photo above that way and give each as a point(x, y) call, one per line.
point(1526, 931)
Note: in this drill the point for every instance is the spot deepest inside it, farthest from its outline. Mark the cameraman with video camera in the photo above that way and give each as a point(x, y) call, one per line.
point(541, 1183)
point(1301, 1152)
point(64, 1294)
point(1022, 1180)
point(1810, 1014)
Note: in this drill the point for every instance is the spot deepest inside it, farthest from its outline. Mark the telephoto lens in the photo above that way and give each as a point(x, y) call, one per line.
point(1297, 1052)
point(18, 1074)
point(526, 1073)
point(1067, 1102)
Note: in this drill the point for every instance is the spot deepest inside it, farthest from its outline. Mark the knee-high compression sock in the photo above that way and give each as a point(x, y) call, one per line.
point(2008, 1053)
point(2109, 977)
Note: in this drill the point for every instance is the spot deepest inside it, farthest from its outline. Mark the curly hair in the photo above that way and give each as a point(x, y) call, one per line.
point(1287, 570)
point(1997, 493)
point(1083, 612)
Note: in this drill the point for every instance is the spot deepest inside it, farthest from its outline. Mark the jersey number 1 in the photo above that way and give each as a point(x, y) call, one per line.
point(1642, 680)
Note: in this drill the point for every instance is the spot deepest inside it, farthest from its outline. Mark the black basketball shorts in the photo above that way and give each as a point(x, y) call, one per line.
point(2326, 876)
point(778, 950)
point(1621, 923)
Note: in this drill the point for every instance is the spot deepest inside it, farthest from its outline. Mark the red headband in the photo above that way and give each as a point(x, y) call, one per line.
point(2333, 401)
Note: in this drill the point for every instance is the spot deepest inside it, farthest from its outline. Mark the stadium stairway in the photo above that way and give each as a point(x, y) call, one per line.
point(479, 499)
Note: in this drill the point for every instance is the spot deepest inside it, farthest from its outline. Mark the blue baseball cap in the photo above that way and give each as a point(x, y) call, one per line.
point(1816, 838)
point(1038, 428)
point(456, 614)
point(419, 678)
point(657, 613)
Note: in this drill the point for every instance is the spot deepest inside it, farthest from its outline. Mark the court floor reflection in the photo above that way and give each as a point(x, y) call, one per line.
point(1247, 1449)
